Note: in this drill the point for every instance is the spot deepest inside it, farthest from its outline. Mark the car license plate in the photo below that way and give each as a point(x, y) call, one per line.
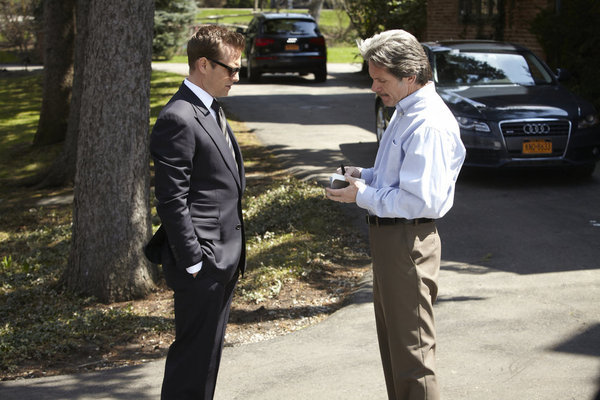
point(292, 47)
point(537, 147)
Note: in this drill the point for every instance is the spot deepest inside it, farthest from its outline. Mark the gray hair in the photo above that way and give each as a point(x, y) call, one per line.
point(399, 52)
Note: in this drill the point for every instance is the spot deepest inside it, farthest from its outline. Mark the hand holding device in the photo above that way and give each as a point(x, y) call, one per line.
point(338, 181)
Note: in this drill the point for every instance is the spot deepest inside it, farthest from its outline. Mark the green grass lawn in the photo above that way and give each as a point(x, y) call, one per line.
point(334, 24)
point(343, 54)
point(242, 16)
point(336, 54)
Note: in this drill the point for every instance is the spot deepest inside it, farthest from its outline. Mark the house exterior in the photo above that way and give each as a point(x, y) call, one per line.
point(505, 20)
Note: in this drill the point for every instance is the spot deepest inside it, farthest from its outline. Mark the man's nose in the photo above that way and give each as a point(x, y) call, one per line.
point(374, 87)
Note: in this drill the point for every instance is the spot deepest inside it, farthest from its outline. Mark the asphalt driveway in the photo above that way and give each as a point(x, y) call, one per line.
point(518, 315)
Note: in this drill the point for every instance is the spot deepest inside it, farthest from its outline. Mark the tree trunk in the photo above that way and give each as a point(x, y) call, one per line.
point(59, 36)
point(314, 9)
point(62, 170)
point(111, 218)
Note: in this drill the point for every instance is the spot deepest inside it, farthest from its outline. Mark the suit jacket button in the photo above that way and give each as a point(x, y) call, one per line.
point(238, 227)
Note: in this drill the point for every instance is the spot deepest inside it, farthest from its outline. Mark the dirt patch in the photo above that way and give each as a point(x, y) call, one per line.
point(299, 304)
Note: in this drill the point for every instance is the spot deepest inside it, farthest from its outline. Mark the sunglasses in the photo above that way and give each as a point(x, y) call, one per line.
point(232, 71)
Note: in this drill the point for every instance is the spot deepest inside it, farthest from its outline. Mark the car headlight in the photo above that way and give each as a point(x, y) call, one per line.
point(588, 121)
point(473, 124)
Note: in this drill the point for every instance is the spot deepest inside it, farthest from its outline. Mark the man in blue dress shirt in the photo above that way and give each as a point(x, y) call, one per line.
point(409, 187)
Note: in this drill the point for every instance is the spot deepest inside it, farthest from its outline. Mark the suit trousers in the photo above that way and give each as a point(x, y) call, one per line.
point(406, 263)
point(202, 306)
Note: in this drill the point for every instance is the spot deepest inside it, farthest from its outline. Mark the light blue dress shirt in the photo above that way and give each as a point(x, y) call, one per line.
point(418, 161)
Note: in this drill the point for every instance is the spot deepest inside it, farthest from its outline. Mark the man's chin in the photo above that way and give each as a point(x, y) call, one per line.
point(223, 92)
point(387, 101)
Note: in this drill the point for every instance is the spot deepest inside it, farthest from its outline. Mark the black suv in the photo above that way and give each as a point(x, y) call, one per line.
point(283, 42)
point(510, 107)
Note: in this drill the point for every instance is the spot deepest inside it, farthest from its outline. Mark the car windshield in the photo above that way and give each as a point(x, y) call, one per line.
point(453, 68)
point(290, 26)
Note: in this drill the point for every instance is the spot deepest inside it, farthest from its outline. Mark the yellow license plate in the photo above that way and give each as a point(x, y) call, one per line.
point(537, 147)
point(292, 47)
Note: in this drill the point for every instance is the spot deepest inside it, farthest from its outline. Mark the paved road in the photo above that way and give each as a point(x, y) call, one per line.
point(518, 315)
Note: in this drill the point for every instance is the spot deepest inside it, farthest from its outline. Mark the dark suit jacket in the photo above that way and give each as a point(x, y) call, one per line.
point(198, 190)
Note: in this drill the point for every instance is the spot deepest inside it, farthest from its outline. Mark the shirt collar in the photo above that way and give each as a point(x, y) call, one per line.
point(415, 97)
point(202, 94)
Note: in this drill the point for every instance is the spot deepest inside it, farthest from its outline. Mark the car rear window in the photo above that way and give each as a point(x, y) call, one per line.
point(488, 68)
point(290, 26)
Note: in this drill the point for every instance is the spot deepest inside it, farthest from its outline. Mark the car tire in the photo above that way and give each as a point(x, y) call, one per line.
point(321, 74)
point(381, 122)
point(252, 73)
point(583, 171)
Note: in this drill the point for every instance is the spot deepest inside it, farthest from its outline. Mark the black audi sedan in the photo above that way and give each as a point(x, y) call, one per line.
point(284, 42)
point(511, 108)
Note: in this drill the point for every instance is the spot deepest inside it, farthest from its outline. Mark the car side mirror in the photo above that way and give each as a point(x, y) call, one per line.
point(562, 75)
point(240, 30)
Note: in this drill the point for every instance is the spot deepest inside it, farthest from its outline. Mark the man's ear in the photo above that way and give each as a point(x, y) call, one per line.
point(201, 64)
point(197, 74)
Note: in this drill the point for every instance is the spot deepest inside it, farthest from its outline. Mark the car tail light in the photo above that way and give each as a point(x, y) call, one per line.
point(259, 42)
point(319, 41)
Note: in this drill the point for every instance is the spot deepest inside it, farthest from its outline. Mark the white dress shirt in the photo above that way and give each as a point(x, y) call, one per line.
point(204, 97)
point(418, 161)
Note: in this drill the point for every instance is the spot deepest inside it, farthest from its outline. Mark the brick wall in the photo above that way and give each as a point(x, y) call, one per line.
point(518, 20)
point(443, 22)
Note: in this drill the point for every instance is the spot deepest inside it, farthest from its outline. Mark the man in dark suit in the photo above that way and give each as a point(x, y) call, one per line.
point(199, 181)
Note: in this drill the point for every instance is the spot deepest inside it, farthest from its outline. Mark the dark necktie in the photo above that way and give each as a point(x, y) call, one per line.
point(223, 124)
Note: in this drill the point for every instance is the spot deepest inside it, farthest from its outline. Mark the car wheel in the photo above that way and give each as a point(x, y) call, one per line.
point(253, 73)
point(583, 171)
point(381, 122)
point(321, 74)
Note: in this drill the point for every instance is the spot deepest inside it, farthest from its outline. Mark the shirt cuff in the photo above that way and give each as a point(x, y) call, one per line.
point(367, 175)
point(364, 197)
point(194, 268)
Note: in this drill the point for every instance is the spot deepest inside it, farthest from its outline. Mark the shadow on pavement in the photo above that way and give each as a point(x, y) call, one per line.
point(116, 384)
point(586, 342)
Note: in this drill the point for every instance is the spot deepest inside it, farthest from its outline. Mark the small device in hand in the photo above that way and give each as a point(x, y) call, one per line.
point(338, 181)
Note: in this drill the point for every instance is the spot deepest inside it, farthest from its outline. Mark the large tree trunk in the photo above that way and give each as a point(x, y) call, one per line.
point(314, 9)
point(111, 219)
point(62, 170)
point(59, 36)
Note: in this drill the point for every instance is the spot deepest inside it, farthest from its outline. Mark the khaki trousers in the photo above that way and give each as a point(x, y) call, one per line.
point(406, 263)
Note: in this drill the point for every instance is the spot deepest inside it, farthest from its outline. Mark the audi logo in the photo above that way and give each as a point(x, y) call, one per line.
point(536, 129)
